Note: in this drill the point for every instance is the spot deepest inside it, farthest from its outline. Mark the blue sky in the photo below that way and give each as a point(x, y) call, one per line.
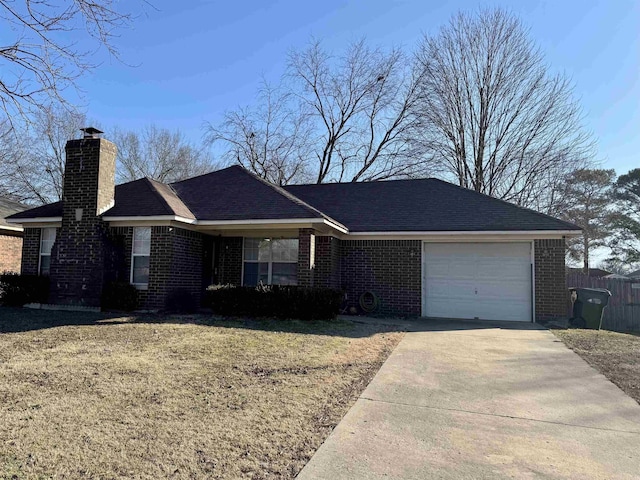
point(194, 60)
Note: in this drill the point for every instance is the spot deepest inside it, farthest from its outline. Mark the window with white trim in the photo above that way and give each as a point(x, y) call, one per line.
point(140, 253)
point(270, 261)
point(47, 239)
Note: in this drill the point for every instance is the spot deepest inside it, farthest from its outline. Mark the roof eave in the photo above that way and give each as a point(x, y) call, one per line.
point(20, 221)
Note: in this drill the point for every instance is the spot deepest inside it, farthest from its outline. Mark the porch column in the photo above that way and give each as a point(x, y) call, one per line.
point(306, 256)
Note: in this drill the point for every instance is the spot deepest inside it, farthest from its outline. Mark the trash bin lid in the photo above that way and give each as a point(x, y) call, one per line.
point(584, 289)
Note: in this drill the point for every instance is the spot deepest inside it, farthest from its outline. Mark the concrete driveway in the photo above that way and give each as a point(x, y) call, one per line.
point(473, 401)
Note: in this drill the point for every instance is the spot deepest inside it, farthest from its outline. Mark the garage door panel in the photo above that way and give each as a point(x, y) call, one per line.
point(477, 280)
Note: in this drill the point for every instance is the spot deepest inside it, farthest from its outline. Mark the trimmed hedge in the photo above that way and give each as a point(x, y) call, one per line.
point(17, 290)
point(119, 296)
point(286, 302)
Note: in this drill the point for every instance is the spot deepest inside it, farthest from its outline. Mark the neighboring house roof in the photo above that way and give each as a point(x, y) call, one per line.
point(616, 276)
point(593, 272)
point(634, 274)
point(8, 208)
point(426, 205)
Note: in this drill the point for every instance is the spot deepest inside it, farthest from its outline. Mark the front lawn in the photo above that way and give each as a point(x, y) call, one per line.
point(88, 396)
point(615, 355)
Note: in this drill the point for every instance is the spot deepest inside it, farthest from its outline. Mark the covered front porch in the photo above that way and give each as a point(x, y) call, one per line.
point(262, 256)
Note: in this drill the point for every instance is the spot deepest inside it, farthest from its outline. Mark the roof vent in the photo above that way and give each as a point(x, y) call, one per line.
point(91, 132)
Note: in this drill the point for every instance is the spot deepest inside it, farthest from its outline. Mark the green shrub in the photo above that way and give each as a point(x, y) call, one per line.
point(304, 303)
point(119, 296)
point(17, 290)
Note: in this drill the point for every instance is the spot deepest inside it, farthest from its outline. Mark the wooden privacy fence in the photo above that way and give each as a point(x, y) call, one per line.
point(623, 312)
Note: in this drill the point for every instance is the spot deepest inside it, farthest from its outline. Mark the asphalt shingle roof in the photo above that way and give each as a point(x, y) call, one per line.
point(146, 197)
point(427, 205)
point(233, 193)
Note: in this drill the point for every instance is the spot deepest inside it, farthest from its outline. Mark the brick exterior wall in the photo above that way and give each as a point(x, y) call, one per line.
point(550, 279)
point(389, 268)
point(306, 256)
point(10, 252)
point(327, 263)
point(229, 260)
point(175, 264)
point(78, 255)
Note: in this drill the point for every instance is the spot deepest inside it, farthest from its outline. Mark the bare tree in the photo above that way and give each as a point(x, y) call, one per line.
point(362, 105)
point(271, 139)
point(158, 153)
point(493, 117)
point(40, 55)
point(332, 118)
point(33, 157)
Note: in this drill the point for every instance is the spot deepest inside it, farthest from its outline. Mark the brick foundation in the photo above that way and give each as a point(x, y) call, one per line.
point(10, 252)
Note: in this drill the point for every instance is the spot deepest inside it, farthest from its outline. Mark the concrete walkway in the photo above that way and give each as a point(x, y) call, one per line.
point(472, 401)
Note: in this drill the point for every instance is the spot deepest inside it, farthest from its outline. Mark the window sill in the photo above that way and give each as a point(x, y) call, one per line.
point(141, 286)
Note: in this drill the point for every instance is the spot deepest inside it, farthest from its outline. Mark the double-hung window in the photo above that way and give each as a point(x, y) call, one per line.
point(47, 239)
point(270, 261)
point(140, 256)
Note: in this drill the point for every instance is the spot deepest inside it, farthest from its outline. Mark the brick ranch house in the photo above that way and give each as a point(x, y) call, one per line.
point(10, 237)
point(423, 247)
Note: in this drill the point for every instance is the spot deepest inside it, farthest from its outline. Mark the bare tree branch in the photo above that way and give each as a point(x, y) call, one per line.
point(363, 107)
point(271, 139)
point(41, 57)
point(159, 154)
point(492, 115)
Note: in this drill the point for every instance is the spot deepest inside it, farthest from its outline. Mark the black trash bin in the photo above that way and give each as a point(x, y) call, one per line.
point(588, 306)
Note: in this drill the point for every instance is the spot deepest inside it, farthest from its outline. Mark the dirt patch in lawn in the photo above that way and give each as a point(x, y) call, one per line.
point(615, 355)
point(85, 396)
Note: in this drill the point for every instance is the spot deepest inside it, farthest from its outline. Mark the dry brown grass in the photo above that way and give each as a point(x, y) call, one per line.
point(615, 355)
point(85, 396)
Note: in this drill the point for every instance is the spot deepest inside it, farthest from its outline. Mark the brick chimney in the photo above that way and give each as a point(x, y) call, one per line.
point(78, 256)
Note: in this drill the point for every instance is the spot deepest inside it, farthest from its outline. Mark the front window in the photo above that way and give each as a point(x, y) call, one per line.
point(140, 256)
point(270, 261)
point(47, 239)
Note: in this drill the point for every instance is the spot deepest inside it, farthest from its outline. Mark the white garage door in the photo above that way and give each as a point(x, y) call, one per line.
point(490, 281)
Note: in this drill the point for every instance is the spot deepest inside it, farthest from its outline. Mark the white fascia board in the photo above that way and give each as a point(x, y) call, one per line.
point(20, 221)
point(337, 226)
point(276, 221)
point(259, 221)
point(153, 218)
point(229, 223)
point(11, 228)
point(467, 235)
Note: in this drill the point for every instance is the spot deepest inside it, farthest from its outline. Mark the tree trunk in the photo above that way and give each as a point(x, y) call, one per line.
point(585, 268)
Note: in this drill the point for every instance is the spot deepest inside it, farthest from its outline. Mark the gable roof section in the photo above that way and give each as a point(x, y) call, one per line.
point(147, 198)
point(140, 198)
point(235, 194)
point(425, 205)
point(7, 208)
